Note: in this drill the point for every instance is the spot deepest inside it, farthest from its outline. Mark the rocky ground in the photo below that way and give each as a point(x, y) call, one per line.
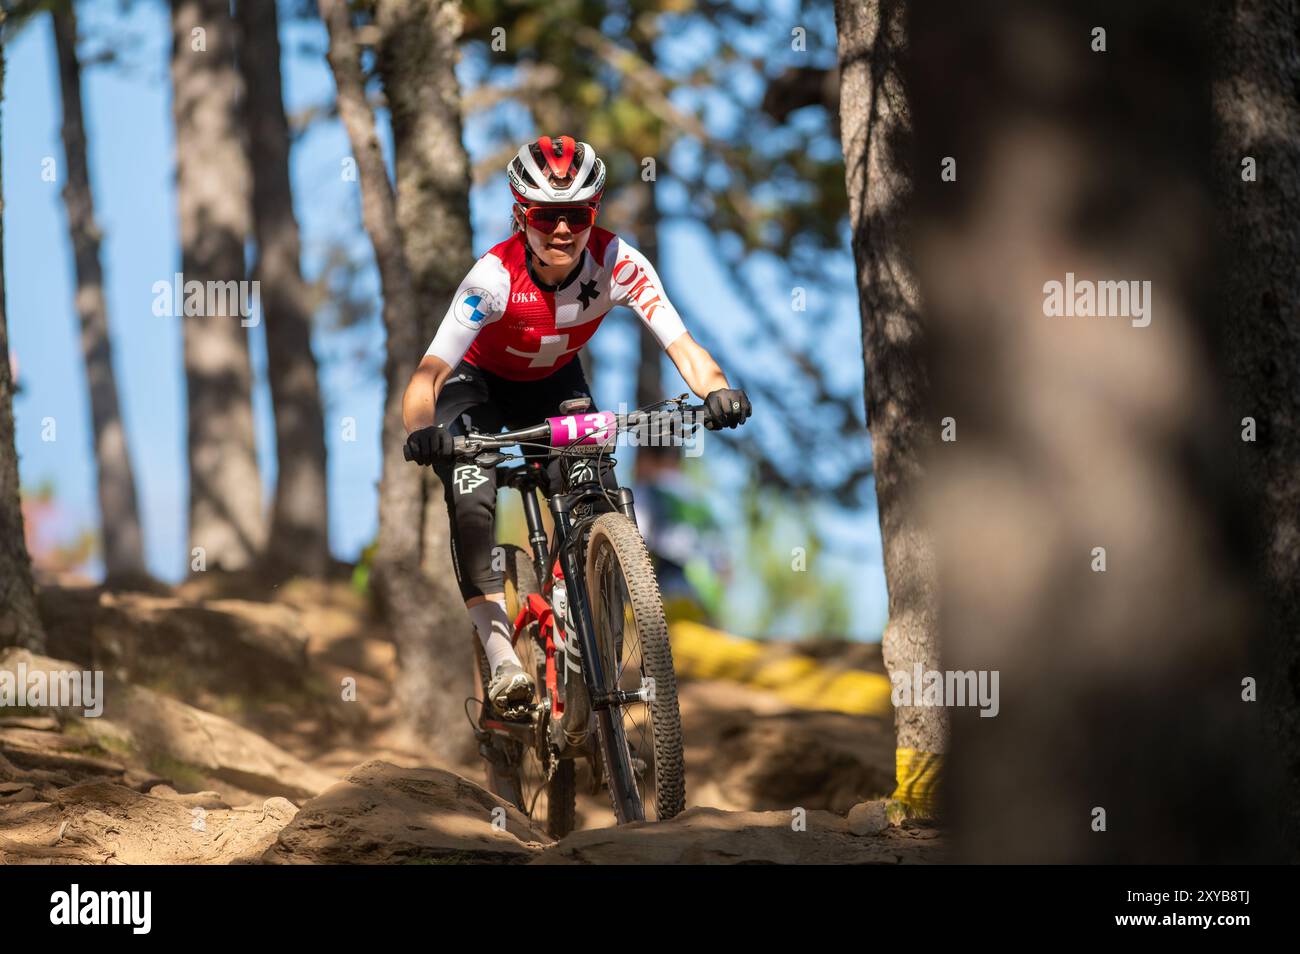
point(264, 762)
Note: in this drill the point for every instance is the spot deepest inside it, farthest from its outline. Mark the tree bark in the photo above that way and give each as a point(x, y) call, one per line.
point(874, 124)
point(432, 642)
point(19, 623)
point(416, 58)
point(119, 518)
point(1259, 223)
point(299, 536)
point(212, 193)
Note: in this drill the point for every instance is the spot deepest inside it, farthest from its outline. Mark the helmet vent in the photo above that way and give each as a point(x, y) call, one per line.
point(523, 174)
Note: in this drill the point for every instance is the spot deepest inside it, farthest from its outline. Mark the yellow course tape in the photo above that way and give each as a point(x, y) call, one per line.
point(919, 775)
point(702, 652)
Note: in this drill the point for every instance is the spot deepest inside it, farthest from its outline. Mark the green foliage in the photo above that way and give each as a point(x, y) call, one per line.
point(783, 595)
point(361, 572)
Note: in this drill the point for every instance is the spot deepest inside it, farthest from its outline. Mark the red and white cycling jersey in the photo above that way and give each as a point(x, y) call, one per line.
point(502, 321)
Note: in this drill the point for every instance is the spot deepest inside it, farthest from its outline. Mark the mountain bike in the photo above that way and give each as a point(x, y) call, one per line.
point(588, 622)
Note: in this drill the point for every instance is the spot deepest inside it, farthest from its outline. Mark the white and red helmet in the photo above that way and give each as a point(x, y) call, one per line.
point(556, 169)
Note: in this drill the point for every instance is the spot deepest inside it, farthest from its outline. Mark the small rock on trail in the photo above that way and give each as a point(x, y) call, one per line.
point(868, 818)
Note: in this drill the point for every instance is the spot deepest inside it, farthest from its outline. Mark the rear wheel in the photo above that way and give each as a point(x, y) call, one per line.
point(631, 636)
point(527, 775)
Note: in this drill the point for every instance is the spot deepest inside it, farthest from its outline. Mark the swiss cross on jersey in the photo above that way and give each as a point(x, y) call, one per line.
point(504, 322)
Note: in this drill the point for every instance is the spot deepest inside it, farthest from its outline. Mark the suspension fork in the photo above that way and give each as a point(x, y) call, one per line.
point(607, 706)
point(623, 497)
point(575, 579)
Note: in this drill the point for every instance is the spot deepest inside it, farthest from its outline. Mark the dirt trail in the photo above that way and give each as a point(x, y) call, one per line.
point(285, 750)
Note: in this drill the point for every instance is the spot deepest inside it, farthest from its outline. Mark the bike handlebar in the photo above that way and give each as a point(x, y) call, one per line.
point(476, 443)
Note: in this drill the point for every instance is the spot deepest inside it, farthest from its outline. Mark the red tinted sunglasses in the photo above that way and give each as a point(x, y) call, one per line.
point(546, 218)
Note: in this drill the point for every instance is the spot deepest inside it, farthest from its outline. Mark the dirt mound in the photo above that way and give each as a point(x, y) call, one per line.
point(384, 814)
point(712, 836)
point(179, 645)
point(106, 823)
point(747, 750)
point(263, 716)
point(146, 730)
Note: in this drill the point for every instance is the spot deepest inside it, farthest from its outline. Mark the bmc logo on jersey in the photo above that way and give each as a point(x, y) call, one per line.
point(525, 297)
point(474, 306)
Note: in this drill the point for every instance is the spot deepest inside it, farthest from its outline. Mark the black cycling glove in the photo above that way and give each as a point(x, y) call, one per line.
point(430, 445)
point(727, 407)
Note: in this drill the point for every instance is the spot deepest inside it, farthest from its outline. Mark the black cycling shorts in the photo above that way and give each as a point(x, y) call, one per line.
point(474, 399)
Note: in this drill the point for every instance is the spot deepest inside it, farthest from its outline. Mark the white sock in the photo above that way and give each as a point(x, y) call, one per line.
point(494, 628)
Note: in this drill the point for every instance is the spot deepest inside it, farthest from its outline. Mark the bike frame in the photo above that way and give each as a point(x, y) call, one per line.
point(565, 549)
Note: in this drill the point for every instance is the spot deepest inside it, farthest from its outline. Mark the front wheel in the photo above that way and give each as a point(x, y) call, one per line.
point(631, 636)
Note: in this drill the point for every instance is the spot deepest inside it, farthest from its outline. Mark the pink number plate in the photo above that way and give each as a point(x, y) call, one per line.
point(575, 429)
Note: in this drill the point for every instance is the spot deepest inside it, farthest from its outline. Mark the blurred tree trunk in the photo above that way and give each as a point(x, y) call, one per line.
point(19, 623)
point(299, 535)
point(649, 372)
point(1088, 531)
point(1258, 117)
point(649, 369)
point(123, 542)
point(874, 125)
point(431, 632)
point(212, 196)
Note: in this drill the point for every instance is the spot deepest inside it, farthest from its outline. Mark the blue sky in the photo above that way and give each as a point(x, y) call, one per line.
point(128, 112)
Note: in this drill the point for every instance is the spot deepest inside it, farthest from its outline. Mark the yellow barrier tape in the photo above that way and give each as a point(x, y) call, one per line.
point(702, 652)
point(919, 775)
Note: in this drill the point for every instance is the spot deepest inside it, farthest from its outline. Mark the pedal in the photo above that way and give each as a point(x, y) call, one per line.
point(520, 713)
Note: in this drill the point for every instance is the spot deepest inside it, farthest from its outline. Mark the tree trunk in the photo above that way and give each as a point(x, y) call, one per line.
point(1259, 223)
point(212, 195)
point(299, 537)
point(649, 368)
point(119, 517)
point(431, 641)
point(19, 623)
point(416, 59)
point(874, 126)
point(1087, 527)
